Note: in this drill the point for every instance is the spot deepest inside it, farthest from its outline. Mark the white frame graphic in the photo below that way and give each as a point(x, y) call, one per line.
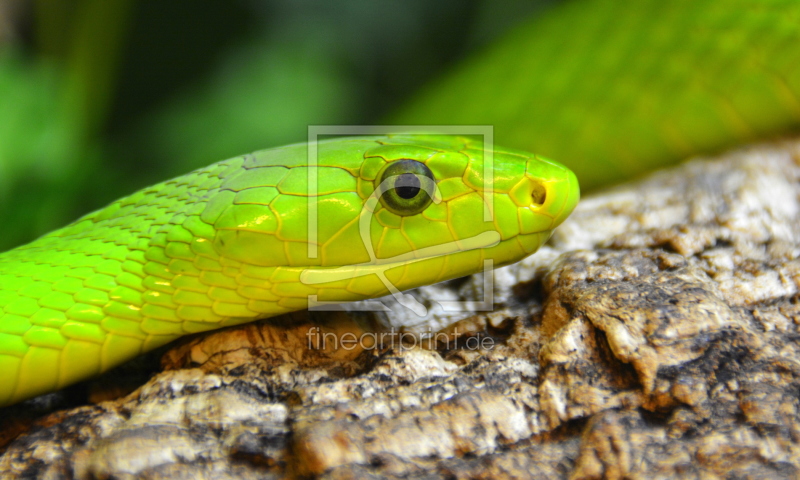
point(483, 240)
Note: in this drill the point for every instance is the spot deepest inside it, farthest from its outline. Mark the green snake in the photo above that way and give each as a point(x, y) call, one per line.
point(260, 235)
point(610, 88)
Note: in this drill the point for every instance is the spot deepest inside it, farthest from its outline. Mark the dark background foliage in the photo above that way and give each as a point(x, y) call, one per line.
point(99, 98)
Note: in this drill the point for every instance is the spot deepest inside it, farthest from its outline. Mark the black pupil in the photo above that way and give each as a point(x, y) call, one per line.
point(407, 186)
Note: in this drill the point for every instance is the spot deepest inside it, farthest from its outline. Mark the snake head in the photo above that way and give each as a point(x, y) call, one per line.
point(408, 209)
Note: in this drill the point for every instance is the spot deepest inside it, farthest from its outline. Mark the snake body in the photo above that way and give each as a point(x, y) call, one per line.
point(229, 244)
point(614, 89)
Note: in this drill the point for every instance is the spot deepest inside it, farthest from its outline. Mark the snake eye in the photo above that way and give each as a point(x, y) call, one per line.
point(406, 187)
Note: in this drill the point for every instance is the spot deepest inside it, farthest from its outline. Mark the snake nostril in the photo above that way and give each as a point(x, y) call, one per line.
point(538, 194)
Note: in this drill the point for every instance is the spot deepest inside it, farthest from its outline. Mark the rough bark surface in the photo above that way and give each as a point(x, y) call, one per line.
point(656, 336)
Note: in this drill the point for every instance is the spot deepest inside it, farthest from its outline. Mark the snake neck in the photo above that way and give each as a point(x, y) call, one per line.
point(129, 278)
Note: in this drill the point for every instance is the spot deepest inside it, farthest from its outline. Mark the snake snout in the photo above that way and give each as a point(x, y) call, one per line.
point(561, 196)
point(546, 199)
point(550, 192)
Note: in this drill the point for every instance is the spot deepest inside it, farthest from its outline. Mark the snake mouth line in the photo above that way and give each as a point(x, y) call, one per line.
point(379, 267)
point(315, 276)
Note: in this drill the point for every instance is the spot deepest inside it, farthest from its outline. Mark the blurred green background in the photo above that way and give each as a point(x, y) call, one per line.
point(99, 98)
